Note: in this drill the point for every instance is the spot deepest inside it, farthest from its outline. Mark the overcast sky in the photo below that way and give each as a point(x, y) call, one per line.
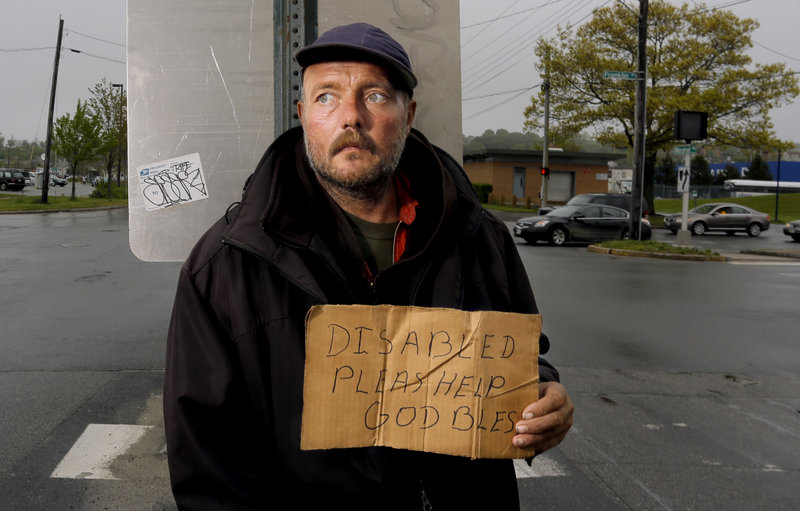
point(497, 57)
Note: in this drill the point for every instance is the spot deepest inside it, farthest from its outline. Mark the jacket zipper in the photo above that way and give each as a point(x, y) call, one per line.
point(426, 504)
point(288, 278)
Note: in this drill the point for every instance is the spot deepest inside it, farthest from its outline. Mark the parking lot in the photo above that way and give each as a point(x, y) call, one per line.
point(81, 190)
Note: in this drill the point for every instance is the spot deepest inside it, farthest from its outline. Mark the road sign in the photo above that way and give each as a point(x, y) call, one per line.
point(686, 149)
point(683, 179)
point(619, 75)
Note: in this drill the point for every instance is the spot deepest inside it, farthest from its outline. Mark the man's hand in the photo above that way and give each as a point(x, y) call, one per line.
point(546, 422)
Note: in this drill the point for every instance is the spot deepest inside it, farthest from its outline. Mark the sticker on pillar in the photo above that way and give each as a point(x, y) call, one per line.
point(172, 182)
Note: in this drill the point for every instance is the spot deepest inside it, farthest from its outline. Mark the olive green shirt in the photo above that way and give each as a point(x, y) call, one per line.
point(376, 242)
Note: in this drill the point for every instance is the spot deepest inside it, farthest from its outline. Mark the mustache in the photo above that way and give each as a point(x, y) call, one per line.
point(352, 139)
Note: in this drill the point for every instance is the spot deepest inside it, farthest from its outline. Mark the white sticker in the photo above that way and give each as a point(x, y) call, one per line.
point(172, 182)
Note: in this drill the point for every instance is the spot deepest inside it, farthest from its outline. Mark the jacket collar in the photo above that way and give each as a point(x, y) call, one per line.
point(284, 204)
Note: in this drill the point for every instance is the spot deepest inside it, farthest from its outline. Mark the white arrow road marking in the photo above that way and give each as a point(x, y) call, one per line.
point(97, 447)
point(542, 466)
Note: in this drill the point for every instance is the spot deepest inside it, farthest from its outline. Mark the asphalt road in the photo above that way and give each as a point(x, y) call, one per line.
point(685, 375)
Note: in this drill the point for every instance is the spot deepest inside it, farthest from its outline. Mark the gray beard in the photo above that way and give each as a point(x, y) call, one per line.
point(368, 187)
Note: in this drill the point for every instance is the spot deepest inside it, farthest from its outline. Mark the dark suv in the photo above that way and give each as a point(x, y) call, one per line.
point(619, 200)
point(11, 179)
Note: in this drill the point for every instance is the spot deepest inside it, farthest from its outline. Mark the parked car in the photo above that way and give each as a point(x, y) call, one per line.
point(582, 222)
point(720, 216)
point(30, 180)
point(11, 179)
point(619, 200)
point(792, 229)
point(57, 180)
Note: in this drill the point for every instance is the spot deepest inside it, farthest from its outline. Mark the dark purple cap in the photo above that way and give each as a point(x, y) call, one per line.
point(361, 42)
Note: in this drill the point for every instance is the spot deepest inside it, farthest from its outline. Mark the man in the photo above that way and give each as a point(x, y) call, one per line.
point(355, 207)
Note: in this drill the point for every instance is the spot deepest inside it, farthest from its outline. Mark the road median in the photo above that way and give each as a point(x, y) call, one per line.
point(655, 255)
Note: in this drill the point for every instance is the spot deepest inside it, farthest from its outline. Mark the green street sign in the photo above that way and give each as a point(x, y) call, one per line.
point(686, 149)
point(619, 75)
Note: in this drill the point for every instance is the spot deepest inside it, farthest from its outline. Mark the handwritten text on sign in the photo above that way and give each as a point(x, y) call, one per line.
point(436, 380)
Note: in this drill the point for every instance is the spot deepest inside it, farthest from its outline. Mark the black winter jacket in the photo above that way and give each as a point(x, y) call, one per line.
point(234, 374)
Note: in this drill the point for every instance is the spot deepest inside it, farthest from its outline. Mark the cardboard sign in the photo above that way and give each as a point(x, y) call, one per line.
point(436, 380)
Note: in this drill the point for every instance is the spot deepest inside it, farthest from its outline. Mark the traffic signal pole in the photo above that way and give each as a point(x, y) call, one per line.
point(546, 143)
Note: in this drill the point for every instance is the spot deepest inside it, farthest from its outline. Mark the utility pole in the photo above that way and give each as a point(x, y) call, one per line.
point(546, 143)
point(778, 188)
point(48, 143)
point(640, 115)
point(119, 138)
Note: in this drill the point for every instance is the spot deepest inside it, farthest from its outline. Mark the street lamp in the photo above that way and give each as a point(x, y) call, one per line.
point(119, 138)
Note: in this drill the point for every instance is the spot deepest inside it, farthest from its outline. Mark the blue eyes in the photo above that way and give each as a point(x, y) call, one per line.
point(373, 97)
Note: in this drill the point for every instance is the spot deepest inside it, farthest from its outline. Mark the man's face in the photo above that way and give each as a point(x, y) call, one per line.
point(355, 124)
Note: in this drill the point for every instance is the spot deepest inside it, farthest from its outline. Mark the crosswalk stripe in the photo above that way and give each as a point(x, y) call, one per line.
point(98, 446)
point(542, 466)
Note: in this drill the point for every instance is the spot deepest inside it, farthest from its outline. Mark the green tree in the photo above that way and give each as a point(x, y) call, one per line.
point(665, 172)
point(701, 172)
point(759, 169)
point(697, 60)
point(729, 172)
point(109, 106)
point(10, 150)
point(78, 138)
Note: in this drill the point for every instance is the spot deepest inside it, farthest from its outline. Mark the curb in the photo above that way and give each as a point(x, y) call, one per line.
point(66, 210)
point(656, 255)
point(790, 253)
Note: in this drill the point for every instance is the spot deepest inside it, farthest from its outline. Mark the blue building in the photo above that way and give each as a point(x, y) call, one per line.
point(790, 170)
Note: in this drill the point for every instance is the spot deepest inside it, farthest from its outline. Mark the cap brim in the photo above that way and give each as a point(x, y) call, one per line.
point(340, 52)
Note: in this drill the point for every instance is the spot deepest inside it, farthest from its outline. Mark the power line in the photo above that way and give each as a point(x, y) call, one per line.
point(70, 31)
point(73, 50)
point(775, 52)
point(563, 15)
point(525, 40)
point(499, 104)
point(495, 94)
point(502, 16)
point(12, 50)
point(487, 26)
point(725, 6)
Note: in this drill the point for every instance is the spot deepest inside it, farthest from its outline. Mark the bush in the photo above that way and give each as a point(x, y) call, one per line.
point(117, 192)
point(483, 190)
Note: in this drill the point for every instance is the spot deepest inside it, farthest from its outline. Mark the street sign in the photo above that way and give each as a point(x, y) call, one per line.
point(686, 149)
point(619, 75)
point(683, 179)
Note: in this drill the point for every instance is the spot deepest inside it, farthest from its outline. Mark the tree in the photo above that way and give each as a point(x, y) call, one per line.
point(77, 139)
point(701, 172)
point(109, 106)
point(729, 172)
point(697, 60)
point(665, 171)
point(759, 170)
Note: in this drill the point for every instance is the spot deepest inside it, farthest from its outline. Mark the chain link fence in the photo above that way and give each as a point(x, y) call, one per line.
point(695, 192)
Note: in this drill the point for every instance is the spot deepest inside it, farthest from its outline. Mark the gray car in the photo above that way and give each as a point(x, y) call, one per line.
point(618, 200)
point(720, 216)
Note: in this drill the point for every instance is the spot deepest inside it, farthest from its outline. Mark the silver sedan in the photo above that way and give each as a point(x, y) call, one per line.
point(720, 216)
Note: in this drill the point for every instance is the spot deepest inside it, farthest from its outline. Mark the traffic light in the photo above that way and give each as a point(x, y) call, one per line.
point(545, 171)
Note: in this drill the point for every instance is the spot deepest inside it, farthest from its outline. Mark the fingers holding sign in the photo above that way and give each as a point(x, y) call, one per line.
point(546, 422)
